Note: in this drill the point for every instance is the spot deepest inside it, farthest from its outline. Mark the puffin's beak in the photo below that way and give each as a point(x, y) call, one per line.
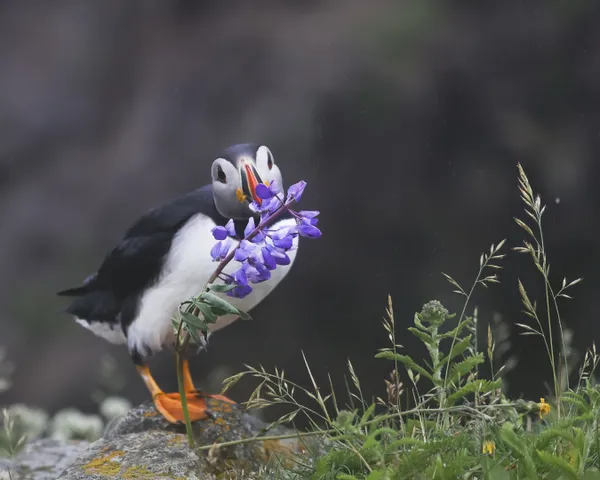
point(250, 180)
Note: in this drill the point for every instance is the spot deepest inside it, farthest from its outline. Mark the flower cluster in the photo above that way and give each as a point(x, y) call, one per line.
point(266, 245)
point(543, 407)
point(488, 447)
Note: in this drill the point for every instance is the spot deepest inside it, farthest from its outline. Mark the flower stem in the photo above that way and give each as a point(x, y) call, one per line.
point(184, 407)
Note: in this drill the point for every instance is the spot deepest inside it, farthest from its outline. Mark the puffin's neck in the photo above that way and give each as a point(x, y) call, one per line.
point(240, 225)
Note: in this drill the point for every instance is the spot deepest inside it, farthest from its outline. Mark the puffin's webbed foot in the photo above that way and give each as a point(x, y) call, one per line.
point(169, 404)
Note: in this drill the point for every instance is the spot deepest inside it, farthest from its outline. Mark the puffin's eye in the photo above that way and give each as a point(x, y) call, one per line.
point(270, 162)
point(221, 175)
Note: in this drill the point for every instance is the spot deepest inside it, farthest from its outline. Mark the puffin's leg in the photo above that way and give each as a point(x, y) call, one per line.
point(190, 389)
point(169, 404)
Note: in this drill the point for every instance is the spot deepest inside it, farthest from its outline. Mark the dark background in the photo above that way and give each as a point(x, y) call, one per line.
point(406, 118)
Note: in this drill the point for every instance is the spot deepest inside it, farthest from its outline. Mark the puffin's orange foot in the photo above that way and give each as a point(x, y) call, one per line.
point(169, 405)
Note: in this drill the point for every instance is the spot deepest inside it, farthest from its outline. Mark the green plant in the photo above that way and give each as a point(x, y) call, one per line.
point(461, 425)
point(536, 248)
point(11, 438)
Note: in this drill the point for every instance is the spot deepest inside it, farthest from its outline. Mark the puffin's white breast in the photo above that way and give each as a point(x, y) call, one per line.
point(187, 268)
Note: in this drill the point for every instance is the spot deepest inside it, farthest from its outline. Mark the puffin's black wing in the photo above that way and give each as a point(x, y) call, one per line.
point(135, 263)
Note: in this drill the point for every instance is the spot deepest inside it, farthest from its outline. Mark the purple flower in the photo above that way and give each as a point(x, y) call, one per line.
point(241, 255)
point(308, 213)
point(275, 188)
point(307, 229)
point(263, 272)
point(295, 191)
point(285, 242)
point(257, 273)
point(221, 233)
point(283, 237)
point(244, 251)
point(268, 248)
point(250, 227)
point(220, 250)
point(280, 257)
point(230, 226)
point(268, 259)
point(267, 192)
point(239, 277)
point(263, 191)
point(240, 291)
point(259, 237)
point(267, 207)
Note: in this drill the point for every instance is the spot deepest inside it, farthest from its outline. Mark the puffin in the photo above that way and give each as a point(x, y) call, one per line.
point(164, 258)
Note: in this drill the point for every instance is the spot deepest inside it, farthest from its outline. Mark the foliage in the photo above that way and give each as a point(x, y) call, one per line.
point(462, 425)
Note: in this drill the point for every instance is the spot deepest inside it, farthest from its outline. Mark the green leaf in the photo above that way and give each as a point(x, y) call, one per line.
point(519, 450)
point(456, 330)
point(578, 401)
point(407, 441)
point(466, 366)
point(473, 387)
point(368, 412)
point(244, 315)
point(492, 470)
point(206, 312)
point(221, 287)
point(194, 321)
point(458, 348)
point(406, 360)
point(558, 463)
point(216, 302)
point(545, 437)
point(193, 332)
point(219, 312)
point(425, 337)
point(439, 470)
point(375, 475)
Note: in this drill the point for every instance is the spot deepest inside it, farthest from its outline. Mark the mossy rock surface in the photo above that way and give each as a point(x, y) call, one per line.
point(141, 444)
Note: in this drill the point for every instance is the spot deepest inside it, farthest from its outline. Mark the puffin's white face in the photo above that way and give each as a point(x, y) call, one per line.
point(236, 175)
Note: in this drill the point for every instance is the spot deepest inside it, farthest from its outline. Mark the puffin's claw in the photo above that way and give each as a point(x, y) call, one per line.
point(169, 404)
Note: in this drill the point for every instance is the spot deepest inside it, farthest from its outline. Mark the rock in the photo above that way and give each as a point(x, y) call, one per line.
point(42, 459)
point(141, 444)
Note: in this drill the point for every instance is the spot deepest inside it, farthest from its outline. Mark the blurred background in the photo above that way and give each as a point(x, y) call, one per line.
point(406, 118)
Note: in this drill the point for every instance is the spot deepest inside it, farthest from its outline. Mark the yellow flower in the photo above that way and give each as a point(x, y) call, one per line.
point(488, 447)
point(544, 407)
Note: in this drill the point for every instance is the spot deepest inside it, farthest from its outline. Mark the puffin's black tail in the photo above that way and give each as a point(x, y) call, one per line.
point(74, 292)
point(99, 305)
point(87, 287)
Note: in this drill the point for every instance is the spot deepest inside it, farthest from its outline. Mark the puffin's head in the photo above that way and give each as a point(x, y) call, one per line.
point(235, 175)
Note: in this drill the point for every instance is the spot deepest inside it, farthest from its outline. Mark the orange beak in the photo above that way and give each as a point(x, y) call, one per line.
point(250, 180)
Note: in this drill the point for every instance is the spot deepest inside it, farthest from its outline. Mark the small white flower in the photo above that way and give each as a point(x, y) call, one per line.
point(71, 424)
point(32, 421)
point(113, 407)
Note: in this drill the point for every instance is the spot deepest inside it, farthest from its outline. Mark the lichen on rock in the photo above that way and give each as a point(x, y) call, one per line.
point(141, 444)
